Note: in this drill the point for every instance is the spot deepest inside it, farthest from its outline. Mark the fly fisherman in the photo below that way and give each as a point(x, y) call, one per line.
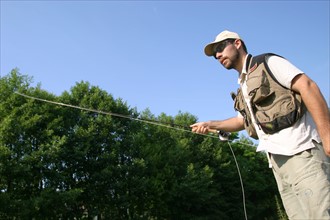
point(281, 106)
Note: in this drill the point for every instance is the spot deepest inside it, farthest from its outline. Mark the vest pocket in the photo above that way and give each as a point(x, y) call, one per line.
point(241, 107)
point(280, 114)
point(258, 86)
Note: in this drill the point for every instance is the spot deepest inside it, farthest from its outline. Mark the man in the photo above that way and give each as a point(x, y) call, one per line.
point(283, 108)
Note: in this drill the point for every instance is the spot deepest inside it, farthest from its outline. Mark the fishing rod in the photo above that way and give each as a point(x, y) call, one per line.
point(223, 136)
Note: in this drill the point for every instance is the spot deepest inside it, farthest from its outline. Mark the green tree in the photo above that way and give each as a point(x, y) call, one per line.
point(69, 163)
point(23, 133)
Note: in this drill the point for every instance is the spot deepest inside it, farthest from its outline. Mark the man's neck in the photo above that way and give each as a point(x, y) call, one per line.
point(241, 62)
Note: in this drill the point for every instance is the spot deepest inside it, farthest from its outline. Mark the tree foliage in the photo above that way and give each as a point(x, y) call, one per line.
point(59, 162)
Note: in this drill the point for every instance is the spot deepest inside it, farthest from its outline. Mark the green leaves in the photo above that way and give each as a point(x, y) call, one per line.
point(60, 162)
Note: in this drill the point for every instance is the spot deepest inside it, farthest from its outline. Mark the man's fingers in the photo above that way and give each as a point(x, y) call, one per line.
point(199, 129)
point(194, 125)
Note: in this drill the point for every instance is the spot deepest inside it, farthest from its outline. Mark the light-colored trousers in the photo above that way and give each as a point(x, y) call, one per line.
point(303, 181)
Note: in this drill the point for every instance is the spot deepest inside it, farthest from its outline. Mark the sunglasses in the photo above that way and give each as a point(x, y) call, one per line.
point(221, 46)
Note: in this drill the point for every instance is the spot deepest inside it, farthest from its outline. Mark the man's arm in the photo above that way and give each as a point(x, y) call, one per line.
point(228, 125)
point(316, 105)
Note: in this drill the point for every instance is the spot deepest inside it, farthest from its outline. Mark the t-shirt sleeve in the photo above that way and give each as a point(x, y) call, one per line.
point(283, 70)
point(239, 115)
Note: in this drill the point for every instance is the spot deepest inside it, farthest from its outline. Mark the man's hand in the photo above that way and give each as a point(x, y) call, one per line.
point(201, 128)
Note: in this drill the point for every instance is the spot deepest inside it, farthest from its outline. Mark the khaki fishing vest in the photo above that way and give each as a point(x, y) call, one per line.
point(274, 106)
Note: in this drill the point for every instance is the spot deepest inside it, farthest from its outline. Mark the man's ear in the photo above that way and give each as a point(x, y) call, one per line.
point(238, 43)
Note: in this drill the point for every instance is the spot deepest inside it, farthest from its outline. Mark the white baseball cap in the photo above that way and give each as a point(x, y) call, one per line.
point(208, 50)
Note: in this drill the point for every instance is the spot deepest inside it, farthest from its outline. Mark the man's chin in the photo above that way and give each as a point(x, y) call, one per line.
point(228, 67)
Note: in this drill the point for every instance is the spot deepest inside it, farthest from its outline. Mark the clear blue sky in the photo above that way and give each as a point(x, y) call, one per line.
point(150, 53)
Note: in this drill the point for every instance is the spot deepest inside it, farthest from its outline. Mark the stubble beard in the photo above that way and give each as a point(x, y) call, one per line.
point(233, 61)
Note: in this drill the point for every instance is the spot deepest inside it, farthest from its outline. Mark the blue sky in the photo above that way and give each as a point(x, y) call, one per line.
point(150, 53)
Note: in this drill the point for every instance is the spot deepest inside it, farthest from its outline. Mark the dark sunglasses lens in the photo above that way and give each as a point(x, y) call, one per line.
point(219, 48)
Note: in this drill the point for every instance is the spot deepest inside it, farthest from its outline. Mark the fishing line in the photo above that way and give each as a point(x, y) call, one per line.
point(152, 122)
point(240, 178)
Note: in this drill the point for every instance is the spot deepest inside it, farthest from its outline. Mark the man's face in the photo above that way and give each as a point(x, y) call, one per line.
point(227, 54)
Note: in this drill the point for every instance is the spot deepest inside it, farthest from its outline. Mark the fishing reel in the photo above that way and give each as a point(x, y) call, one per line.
point(223, 136)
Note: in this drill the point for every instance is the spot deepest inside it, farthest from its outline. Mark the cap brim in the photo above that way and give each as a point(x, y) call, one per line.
point(208, 50)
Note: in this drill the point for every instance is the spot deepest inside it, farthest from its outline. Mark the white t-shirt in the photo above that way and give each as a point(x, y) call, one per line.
point(288, 141)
